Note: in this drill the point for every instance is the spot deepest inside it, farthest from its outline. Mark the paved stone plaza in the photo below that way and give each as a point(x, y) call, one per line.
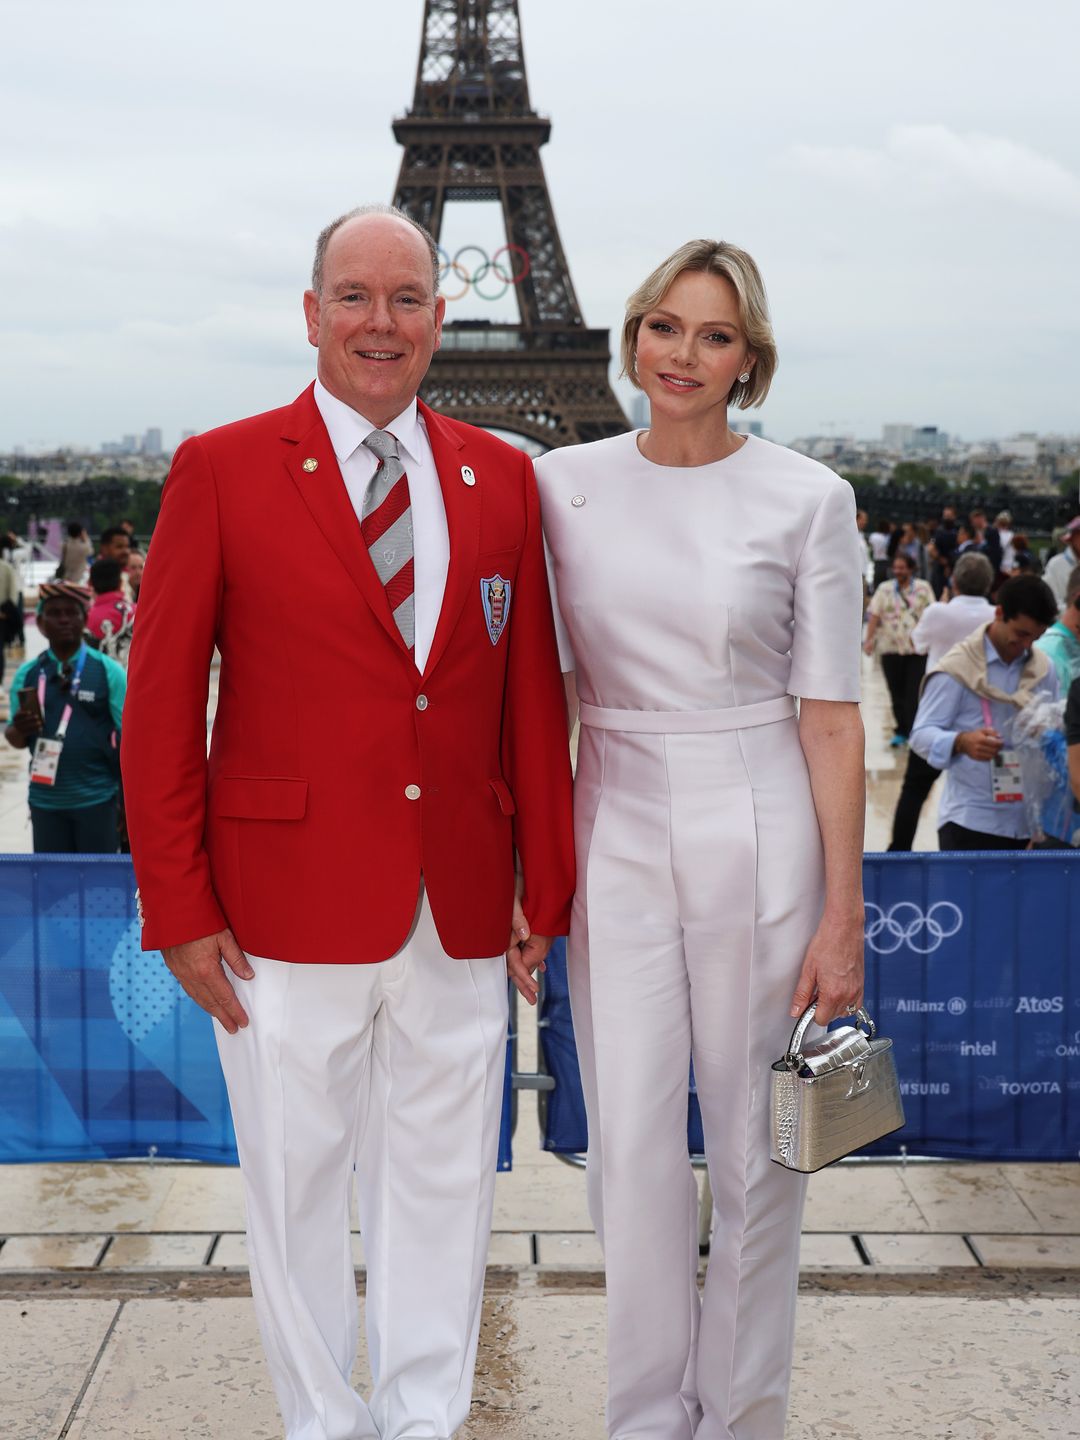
point(938, 1301)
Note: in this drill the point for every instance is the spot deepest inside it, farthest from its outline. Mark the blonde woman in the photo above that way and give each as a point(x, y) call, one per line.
point(703, 580)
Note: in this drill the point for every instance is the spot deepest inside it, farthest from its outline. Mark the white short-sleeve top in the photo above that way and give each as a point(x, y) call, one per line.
point(702, 587)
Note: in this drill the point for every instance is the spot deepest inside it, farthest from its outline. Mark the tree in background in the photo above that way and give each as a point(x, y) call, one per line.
point(913, 475)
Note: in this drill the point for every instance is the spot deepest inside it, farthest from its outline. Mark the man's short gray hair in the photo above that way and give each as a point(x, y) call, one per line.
point(327, 233)
point(973, 574)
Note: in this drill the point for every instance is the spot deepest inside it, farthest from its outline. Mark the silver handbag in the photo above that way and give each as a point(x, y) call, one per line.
point(833, 1097)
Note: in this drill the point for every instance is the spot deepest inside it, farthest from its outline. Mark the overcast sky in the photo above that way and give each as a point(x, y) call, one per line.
point(906, 173)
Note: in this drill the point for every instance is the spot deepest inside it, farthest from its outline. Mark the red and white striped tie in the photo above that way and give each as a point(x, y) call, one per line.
point(386, 526)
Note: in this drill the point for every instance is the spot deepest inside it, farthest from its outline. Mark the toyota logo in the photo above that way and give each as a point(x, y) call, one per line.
point(905, 923)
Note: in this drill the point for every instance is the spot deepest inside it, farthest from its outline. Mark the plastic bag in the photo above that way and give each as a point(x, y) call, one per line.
point(1038, 735)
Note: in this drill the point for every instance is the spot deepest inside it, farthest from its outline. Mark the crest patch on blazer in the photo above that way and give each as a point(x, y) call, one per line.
point(495, 593)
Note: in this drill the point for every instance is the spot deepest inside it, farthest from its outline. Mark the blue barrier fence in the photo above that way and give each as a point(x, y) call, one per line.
point(102, 1055)
point(973, 968)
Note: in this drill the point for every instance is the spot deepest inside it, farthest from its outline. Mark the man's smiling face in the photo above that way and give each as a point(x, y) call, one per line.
point(376, 321)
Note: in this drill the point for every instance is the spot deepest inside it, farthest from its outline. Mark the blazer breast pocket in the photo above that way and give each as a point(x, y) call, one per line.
point(258, 797)
point(506, 555)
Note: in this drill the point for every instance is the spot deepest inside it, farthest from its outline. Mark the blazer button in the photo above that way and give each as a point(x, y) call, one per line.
point(412, 792)
point(421, 702)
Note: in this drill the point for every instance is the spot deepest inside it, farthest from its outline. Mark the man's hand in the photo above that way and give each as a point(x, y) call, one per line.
point(525, 955)
point(25, 724)
point(832, 973)
point(981, 744)
point(197, 965)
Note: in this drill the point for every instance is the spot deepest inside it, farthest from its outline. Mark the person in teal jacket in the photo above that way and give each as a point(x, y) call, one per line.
point(1062, 641)
point(72, 733)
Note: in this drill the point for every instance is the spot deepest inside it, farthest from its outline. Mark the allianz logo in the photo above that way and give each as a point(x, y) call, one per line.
point(956, 1006)
point(1039, 1005)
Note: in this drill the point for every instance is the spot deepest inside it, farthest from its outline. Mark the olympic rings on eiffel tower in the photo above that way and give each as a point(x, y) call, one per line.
point(511, 272)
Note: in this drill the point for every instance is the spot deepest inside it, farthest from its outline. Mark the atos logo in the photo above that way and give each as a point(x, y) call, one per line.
point(1038, 1005)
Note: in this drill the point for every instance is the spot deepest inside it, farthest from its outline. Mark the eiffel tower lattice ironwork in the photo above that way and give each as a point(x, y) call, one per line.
point(472, 134)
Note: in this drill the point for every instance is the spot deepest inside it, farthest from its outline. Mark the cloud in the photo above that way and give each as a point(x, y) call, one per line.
point(933, 162)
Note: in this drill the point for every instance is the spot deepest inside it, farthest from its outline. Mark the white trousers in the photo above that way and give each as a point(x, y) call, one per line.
point(700, 883)
point(397, 1068)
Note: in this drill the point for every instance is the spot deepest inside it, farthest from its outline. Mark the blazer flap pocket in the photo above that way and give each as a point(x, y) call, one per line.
point(502, 794)
point(258, 797)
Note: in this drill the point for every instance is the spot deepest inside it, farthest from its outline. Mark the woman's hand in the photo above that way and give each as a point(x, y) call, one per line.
point(525, 955)
point(832, 972)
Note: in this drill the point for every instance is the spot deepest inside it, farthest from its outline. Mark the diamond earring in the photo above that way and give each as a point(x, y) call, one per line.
point(744, 377)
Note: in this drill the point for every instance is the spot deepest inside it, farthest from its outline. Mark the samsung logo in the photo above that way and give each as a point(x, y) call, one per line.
point(924, 1087)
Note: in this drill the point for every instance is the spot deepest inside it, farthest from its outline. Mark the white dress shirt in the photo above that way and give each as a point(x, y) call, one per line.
point(1057, 573)
point(942, 626)
point(431, 536)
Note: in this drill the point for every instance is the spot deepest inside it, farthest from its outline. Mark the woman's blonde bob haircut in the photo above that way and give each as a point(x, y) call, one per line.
point(712, 257)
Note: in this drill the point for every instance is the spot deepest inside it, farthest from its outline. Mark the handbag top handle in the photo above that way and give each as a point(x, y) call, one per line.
point(794, 1056)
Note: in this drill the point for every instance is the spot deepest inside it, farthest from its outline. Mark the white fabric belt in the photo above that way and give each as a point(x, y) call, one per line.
point(688, 722)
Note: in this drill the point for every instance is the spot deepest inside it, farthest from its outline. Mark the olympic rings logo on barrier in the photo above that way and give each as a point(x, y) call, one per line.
point(512, 271)
point(904, 923)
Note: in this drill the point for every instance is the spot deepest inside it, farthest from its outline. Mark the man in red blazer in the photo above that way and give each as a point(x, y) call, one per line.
point(335, 885)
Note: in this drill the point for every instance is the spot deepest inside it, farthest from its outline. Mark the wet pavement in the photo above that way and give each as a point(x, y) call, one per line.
point(937, 1300)
point(936, 1367)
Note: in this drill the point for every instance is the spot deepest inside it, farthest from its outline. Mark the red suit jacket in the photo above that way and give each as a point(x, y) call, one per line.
point(298, 832)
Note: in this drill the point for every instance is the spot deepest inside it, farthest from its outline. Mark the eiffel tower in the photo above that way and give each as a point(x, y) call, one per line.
point(473, 135)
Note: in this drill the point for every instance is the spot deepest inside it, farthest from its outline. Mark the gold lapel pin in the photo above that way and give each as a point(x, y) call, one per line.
point(467, 475)
point(310, 464)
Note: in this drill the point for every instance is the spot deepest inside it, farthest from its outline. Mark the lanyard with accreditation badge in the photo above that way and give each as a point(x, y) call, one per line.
point(1006, 777)
point(47, 752)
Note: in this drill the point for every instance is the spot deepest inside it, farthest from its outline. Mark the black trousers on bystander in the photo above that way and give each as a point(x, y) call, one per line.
point(957, 837)
point(919, 780)
point(89, 830)
point(903, 675)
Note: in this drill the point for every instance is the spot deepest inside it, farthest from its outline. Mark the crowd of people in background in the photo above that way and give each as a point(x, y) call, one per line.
point(972, 628)
point(929, 589)
point(65, 705)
